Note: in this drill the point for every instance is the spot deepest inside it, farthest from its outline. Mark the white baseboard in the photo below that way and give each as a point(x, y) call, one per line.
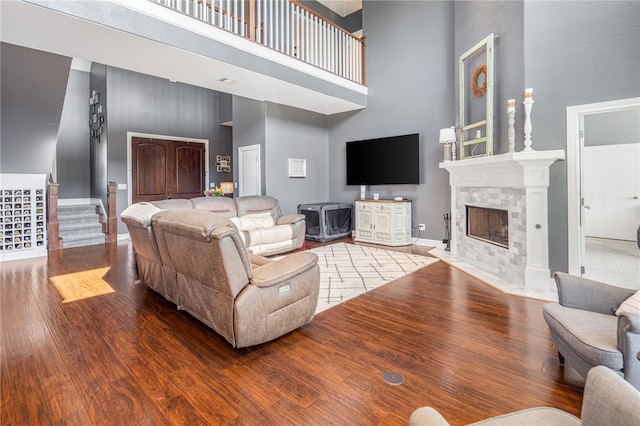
point(429, 243)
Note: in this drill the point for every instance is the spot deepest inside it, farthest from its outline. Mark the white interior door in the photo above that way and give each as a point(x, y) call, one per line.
point(611, 191)
point(249, 170)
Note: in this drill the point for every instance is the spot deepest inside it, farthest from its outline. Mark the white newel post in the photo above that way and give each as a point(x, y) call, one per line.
point(528, 170)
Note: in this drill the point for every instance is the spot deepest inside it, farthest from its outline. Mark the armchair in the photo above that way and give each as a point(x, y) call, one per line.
point(587, 332)
point(607, 400)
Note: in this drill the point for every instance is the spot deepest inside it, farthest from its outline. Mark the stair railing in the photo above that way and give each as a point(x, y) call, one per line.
point(52, 215)
point(111, 235)
point(286, 26)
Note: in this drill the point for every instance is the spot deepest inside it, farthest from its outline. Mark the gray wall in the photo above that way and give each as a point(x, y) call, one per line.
point(98, 150)
point(620, 127)
point(294, 133)
point(33, 84)
point(475, 20)
point(575, 53)
point(411, 78)
point(72, 152)
point(145, 104)
point(249, 128)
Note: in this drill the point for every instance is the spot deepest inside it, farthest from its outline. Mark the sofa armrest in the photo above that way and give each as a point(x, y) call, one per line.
point(582, 293)
point(629, 345)
point(427, 416)
point(289, 219)
point(609, 400)
point(284, 269)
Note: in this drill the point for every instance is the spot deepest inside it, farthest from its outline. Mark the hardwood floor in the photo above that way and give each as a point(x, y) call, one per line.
point(129, 357)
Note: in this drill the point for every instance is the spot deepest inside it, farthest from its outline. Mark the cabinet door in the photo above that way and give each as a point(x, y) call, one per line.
point(383, 223)
point(364, 221)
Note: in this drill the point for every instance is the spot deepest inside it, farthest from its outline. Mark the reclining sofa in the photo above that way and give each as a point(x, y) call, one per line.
point(196, 259)
point(263, 228)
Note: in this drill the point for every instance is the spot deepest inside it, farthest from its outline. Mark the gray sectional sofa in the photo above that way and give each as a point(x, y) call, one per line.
point(197, 259)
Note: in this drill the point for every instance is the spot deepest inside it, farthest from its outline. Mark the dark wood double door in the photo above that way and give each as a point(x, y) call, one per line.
point(165, 169)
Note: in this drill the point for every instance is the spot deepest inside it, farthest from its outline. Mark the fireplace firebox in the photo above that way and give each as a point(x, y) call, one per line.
point(488, 225)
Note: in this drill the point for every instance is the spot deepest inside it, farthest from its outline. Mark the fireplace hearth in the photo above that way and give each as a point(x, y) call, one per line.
point(488, 225)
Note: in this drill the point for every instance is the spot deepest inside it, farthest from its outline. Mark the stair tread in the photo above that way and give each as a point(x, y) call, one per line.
point(77, 216)
point(83, 236)
point(75, 226)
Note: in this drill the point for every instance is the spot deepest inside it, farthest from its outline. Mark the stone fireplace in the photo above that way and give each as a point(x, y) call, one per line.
point(510, 190)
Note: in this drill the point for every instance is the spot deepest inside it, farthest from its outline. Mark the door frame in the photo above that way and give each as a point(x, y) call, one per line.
point(131, 135)
point(576, 114)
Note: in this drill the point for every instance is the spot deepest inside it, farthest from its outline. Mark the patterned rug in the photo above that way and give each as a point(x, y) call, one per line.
point(348, 270)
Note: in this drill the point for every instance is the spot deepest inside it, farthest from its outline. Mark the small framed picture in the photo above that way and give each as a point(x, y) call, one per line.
point(297, 167)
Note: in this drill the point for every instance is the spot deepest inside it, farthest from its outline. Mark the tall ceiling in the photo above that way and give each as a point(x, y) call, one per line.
point(30, 25)
point(342, 7)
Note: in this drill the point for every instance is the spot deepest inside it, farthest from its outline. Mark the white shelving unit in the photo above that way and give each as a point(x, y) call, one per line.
point(23, 216)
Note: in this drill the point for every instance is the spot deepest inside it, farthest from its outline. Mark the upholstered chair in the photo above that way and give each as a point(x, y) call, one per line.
point(245, 298)
point(588, 328)
point(607, 400)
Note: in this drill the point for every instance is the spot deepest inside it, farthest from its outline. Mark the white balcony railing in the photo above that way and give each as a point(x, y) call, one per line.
point(285, 26)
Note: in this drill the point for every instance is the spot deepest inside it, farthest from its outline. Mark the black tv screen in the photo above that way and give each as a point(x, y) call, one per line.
point(384, 161)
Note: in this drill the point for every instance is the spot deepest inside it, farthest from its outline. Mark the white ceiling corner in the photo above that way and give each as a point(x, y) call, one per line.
point(342, 7)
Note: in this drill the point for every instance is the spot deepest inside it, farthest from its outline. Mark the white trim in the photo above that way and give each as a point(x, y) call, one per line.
point(574, 166)
point(429, 243)
point(131, 135)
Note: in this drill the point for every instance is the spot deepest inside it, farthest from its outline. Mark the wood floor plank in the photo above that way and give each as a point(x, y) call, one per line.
point(130, 357)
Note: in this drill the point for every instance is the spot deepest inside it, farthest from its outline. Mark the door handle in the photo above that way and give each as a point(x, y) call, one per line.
point(587, 206)
point(635, 197)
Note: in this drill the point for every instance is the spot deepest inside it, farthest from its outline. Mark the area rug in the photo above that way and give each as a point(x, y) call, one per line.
point(348, 270)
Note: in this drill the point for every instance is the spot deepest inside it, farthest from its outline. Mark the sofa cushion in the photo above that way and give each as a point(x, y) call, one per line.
point(631, 305)
point(173, 203)
point(271, 235)
point(224, 206)
point(256, 220)
point(592, 335)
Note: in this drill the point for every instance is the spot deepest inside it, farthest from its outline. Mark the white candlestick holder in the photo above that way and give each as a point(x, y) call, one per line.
point(511, 133)
point(528, 104)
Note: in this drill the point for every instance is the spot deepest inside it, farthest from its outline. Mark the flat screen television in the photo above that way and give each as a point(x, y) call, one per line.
point(384, 161)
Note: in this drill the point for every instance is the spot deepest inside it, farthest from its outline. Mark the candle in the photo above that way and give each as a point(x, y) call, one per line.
point(528, 93)
point(511, 105)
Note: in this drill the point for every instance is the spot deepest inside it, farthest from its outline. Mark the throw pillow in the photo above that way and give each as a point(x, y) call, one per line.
point(632, 304)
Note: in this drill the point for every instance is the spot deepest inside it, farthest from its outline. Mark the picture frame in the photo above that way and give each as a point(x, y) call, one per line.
point(297, 167)
point(223, 163)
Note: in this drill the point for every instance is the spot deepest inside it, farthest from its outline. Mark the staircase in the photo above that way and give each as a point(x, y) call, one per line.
point(80, 225)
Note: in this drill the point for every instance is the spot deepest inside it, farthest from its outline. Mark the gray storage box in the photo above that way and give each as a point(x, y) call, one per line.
point(326, 221)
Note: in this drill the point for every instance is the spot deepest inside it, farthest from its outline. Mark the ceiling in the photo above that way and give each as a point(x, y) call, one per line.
point(40, 28)
point(342, 7)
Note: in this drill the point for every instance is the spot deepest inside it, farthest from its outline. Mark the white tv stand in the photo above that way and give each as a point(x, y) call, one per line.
point(385, 222)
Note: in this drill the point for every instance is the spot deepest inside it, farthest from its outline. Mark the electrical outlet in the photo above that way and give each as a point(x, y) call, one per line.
point(421, 227)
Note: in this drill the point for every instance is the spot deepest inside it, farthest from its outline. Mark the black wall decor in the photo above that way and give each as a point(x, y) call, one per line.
point(96, 116)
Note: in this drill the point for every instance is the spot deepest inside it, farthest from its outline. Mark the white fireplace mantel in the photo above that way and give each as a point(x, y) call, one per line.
point(512, 170)
point(528, 170)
